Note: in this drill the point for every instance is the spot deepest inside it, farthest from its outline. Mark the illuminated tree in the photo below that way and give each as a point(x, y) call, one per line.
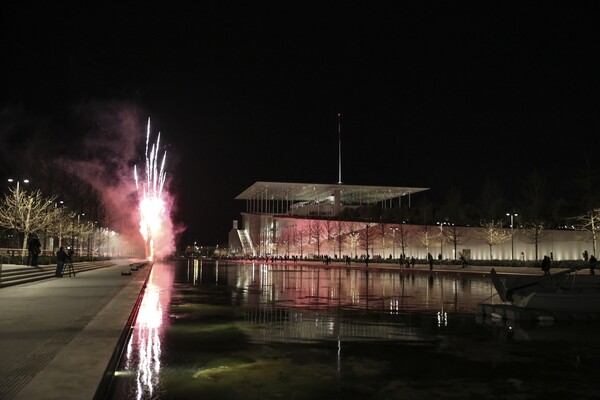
point(26, 213)
point(425, 237)
point(381, 233)
point(61, 218)
point(492, 234)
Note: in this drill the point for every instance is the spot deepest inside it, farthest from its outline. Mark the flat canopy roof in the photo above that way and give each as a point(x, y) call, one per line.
point(349, 194)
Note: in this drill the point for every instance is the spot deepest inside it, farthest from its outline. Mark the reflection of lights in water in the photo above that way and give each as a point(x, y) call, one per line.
point(195, 280)
point(148, 323)
point(339, 355)
point(394, 306)
point(442, 318)
point(143, 355)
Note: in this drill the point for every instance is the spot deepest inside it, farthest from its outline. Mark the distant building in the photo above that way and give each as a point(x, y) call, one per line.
point(311, 220)
point(274, 208)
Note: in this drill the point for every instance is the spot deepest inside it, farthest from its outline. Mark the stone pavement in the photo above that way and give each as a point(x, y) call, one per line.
point(58, 335)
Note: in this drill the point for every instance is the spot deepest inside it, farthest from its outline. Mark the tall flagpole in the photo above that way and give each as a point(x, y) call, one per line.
point(339, 150)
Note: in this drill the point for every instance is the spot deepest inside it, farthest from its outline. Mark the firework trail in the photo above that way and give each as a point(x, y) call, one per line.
point(153, 216)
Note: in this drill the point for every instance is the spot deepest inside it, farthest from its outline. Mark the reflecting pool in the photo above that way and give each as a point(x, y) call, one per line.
point(209, 330)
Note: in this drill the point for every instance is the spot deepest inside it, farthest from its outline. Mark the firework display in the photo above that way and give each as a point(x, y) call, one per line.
point(152, 202)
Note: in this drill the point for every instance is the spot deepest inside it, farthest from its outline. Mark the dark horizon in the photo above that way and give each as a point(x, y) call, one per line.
point(439, 96)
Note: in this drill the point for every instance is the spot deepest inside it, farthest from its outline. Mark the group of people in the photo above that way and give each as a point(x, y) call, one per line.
point(34, 249)
point(546, 263)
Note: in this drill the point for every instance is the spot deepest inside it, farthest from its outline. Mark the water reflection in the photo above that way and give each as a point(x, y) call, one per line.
point(143, 356)
point(258, 331)
point(293, 303)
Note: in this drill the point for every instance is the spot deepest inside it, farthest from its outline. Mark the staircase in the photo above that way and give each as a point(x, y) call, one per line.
point(247, 246)
point(27, 274)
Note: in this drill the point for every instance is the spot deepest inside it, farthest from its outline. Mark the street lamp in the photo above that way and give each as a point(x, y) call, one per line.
point(512, 238)
point(18, 201)
point(12, 180)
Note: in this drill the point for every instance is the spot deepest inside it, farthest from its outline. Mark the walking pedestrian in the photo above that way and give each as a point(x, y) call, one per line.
point(430, 260)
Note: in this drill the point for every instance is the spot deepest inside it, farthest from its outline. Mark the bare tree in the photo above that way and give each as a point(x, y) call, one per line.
point(491, 201)
point(299, 239)
point(328, 227)
point(455, 236)
point(285, 239)
point(26, 212)
point(353, 236)
point(493, 234)
point(590, 223)
point(366, 237)
point(403, 235)
point(381, 227)
point(339, 230)
point(533, 234)
point(316, 232)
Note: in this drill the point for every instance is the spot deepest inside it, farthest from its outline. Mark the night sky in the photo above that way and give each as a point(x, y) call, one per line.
point(439, 95)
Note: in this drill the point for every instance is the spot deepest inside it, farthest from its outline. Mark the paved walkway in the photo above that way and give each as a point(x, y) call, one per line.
point(57, 336)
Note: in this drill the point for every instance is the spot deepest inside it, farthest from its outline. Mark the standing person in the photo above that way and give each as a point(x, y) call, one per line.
point(61, 257)
point(34, 250)
point(592, 265)
point(546, 265)
point(430, 260)
point(412, 261)
point(29, 250)
point(463, 260)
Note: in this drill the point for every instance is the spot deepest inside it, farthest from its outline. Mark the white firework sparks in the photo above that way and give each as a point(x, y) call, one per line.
point(152, 204)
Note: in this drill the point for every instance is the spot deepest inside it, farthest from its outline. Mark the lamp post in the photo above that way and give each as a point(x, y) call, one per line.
point(80, 232)
point(512, 237)
point(12, 180)
point(60, 203)
point(26, 223)
point(441, 224)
